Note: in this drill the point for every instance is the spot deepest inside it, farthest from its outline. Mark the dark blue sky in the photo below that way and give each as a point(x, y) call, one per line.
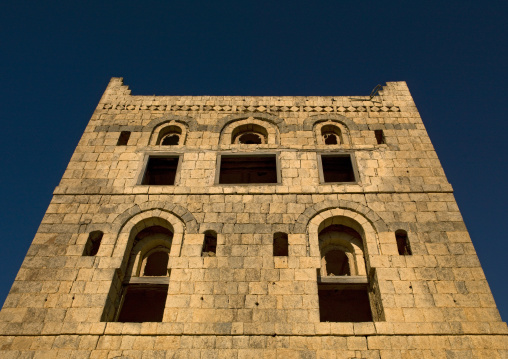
point(57, 58)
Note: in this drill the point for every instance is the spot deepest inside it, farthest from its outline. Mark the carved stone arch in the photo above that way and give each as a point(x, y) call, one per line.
point(161, 130)
point(309, 123)
point(275, 120)
point(303, 219)
point(147, 214)
point(351, 246)
point(187, 218)
point(190, 123)
point(348, 218)
point(324, 129)
point(141, 251)
point(154, 217)
point(267, 129)
point(336, 126)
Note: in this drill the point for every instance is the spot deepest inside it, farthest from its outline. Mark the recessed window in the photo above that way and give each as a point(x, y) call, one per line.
point(169, 136)
point(138, 293)
point(380, 136)
point(142, 303)
point(331, 135)
point(161, 171)
point(170, 140)
point(157, 264)
point(123, 139)
point(93, 243)
point(402, 243)
point(249, 134)
point(243, 169)
point(340, 304)
point(337, 168)
point(210, 244)
point(337, 262)
point(280, 244)
point(250, 138)
point(342, 281)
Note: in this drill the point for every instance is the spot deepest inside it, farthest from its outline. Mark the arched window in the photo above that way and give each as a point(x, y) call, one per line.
point(331, 135)
point(250, 138)
point(341, 251)
point(402, 243)
point(342, 299)
point(249, 134)
point(337, 262)
point(93, 243)
point(156, 264)
point(169, 136)
point(144, 297)
point(210, 244)
point(330, 132)
point(280, 244)
point(171, 140)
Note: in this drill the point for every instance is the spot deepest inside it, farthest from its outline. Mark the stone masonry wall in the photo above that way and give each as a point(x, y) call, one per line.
point(244, 302)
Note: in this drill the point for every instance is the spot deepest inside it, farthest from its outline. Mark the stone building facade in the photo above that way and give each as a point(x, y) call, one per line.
point(252, 227)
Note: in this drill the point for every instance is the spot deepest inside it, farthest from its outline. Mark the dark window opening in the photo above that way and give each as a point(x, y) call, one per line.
point(337, 263)
point(167, 133)
point(143, 303)
point(210, 244)
point(330, 138)
point(250, 139)
point(160, 171)
point(248, 169)
point(249, 134)
point(157, 264)
point(331, 134)
point(337, 168)
point(380, 137)
point(124, 138)
point(93, 243)
point(171, 140)
point(403, 243)
point(344, 305)
point(280, 245)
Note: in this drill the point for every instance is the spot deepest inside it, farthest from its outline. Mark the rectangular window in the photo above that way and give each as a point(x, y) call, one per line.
point(244, 169)
point(280, 245)
point(337, 168)
point(123, 139)
point(343, 304)
point(402, 243)
point(161, 171)
point(380, 137)
point(143, 303)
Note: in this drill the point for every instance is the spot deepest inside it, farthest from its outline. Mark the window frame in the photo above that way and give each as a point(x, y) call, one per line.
point(248, 154)
point(352, 158)
point(148, 155)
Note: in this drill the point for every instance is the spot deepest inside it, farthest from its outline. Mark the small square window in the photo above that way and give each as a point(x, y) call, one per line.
point(161, 171)
point(337, 168)
point(244, 169)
